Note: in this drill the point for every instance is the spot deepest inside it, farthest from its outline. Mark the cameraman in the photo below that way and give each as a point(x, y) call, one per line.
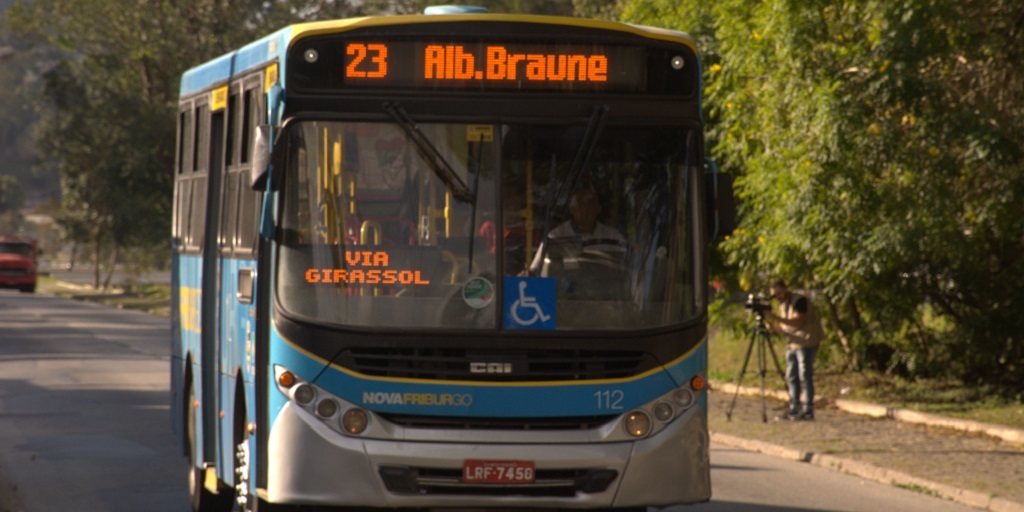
point(798, 323)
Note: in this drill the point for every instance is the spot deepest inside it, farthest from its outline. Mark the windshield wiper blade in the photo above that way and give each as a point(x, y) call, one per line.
point(430, 153)
point(586, 146)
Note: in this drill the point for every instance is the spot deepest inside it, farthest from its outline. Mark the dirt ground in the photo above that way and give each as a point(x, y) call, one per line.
point(967, 461)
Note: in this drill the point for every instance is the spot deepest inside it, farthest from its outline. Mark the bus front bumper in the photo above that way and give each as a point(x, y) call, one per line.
point(311, 464)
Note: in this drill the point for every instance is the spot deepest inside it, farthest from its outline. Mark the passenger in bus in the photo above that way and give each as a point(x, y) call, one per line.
point(518, 236)
point(583, 228)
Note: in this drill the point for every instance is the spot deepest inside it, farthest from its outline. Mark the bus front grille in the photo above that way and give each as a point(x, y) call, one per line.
point(486, 423)
point(496, 365)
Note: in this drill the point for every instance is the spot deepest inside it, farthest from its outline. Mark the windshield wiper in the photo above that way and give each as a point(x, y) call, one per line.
point(583, 150)
point(429, 153)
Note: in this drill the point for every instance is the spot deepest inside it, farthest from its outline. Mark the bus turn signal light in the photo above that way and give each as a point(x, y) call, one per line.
point(286, 379)
point(698, 383)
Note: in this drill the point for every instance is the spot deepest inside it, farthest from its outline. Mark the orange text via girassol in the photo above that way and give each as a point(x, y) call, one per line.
point(371, 268)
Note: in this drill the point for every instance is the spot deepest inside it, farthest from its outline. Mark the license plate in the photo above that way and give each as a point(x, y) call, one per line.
point(498, 471)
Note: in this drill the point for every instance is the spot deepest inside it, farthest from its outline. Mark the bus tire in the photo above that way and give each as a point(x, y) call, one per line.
point(201, 499)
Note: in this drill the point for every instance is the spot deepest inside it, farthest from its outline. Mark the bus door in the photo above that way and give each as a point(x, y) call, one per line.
point(209, 312)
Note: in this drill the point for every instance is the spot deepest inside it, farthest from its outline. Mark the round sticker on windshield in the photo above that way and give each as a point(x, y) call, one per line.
point(478, 292)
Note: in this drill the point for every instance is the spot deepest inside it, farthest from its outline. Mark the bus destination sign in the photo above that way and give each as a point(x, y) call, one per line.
point(478, 65)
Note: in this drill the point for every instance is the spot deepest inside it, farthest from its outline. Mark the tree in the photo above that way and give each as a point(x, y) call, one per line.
point(599, 9)
point(878, 156)
point(11, 200)
point(109, 125)
point(20, 69)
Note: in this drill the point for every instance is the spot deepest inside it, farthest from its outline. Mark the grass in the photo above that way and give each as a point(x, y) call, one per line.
point(727, 351)
point(920, 489)
point(151, 298)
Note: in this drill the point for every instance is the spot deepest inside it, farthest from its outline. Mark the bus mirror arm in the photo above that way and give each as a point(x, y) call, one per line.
point(260, 157)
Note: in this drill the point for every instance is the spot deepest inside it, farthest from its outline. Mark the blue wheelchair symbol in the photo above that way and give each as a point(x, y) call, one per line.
point(529, 303)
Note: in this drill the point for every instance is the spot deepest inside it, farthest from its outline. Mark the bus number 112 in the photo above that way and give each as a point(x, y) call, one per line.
point(376, 53)
point(610, 399)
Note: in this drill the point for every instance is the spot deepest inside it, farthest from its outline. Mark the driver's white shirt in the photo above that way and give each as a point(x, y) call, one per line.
point(600, 232)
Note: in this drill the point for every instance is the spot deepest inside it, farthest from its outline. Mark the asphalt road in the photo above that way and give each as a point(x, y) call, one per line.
point(84, 408)
point(84, 426)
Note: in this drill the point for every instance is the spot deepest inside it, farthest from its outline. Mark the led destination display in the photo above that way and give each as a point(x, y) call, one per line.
point(478, 65)
point(455, 62)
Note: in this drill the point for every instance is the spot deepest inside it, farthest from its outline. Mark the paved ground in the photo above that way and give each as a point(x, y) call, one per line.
point(974, 469)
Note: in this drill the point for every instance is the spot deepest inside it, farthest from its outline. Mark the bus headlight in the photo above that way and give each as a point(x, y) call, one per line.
point(355, 421)
point(664, 411)
point(637, 423)
point(326, 408)
point(304, 394)
point(683, 397)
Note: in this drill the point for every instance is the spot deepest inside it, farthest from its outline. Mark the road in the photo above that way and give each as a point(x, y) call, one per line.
point(84, 408)
point(84, 426)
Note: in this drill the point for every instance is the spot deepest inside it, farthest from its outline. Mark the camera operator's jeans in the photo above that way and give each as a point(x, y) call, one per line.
point(800, 375)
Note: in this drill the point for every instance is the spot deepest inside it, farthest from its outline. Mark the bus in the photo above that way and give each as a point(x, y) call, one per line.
point(443, 261)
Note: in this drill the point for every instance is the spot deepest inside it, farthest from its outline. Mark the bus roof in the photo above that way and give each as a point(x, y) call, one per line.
point(274, 46)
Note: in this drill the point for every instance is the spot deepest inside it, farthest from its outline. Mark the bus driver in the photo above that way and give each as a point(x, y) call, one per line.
point(592, 234)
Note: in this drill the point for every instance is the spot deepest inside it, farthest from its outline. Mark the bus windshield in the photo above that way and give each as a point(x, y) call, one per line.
point(373, 233)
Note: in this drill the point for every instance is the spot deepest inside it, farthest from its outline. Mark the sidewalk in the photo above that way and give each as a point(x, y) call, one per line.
point(968, 462)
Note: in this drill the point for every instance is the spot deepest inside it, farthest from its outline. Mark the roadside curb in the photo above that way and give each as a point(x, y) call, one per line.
point(1008, 434)
point(871, 472)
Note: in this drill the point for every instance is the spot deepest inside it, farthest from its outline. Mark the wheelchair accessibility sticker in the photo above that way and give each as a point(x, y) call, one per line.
point(529, 303)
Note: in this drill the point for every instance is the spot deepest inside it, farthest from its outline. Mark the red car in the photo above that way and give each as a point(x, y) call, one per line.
point(18, 263)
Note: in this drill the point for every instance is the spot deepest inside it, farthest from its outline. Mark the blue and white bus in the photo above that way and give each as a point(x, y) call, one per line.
point(443, 261)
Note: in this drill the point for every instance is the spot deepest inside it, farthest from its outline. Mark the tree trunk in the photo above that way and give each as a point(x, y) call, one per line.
point(844, 340)
point(111, 266)
point(97, 258)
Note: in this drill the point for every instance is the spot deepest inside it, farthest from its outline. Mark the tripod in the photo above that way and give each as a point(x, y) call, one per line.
point(761, 338)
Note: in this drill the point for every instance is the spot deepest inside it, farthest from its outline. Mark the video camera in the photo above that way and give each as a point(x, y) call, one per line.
point(758, 304)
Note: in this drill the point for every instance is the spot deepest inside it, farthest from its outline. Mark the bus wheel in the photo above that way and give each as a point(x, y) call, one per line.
point(201, 498)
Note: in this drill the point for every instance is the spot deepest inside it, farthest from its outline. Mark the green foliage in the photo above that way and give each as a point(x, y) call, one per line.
point(599, 9)
point(11, 195)
point(878, 158)
point(19, 71)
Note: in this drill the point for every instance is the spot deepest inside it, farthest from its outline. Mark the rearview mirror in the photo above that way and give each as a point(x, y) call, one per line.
point(721, 203)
